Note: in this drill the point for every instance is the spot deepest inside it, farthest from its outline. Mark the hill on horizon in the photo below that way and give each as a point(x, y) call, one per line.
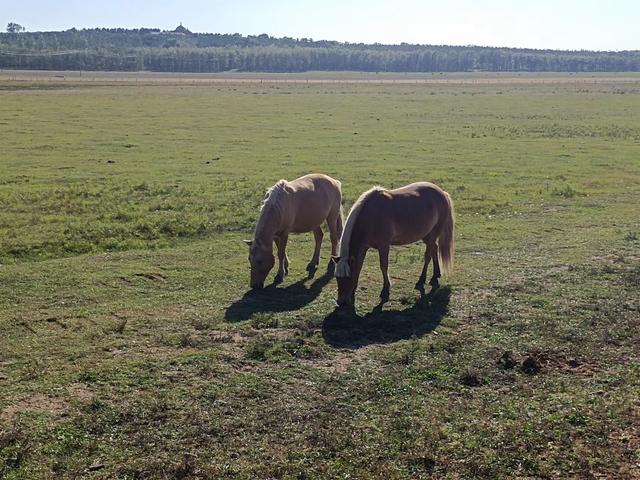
point(180, 50)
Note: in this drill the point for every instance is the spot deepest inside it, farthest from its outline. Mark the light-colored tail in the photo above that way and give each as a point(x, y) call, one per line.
point(340, 222)
point(446, 240)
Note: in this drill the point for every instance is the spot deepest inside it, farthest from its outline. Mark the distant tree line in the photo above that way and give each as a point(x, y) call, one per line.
point(155, 50)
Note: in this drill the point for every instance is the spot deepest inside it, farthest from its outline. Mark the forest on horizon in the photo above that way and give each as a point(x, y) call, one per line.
point(150, 49)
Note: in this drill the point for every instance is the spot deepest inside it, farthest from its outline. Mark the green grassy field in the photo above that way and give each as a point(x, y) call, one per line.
point(128, 348)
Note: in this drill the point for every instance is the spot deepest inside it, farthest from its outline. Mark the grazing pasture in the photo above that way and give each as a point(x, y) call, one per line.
point(130, 349)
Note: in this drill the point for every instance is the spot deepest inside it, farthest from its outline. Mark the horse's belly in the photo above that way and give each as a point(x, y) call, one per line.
point(307, 224)
point(407, 238)
point(412, 232)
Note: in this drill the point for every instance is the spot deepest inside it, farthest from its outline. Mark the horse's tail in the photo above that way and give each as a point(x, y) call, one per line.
point(446, 240)
point(340, 221)
point(337, 215)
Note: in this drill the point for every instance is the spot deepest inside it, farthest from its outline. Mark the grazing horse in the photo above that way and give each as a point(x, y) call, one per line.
point(381, 218)
point(298, 206)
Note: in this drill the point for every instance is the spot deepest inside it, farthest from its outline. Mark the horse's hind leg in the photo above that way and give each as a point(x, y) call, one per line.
point(313, 264)
point(384, 266)
point(427, 259)
point(433, 248)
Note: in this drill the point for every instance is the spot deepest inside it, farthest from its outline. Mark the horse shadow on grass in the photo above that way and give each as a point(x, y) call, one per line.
point(272, 299)
point(349, 330)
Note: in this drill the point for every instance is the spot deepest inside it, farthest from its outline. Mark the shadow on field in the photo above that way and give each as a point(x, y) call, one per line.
point(343, 329)
point(272, 299)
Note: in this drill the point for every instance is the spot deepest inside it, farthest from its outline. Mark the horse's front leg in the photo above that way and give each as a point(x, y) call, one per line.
point(384, 266)
point(283, 260)
point(313, 264)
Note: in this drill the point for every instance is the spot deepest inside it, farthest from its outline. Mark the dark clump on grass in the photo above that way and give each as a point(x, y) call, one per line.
point(120, 325)
point(187, 340)
point(186, 468)
point(471, 378)
point(531, 365)
point(507, 361)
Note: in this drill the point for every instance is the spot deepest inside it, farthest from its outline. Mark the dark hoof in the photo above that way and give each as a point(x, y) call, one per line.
point(279, 279)
point(331, 268)
point(384, 295)
point(345, 309)
point(420, 287)
point(312, 267)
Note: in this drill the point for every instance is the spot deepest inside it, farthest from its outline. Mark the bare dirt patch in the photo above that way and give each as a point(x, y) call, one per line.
point(37, 403)
point(539, 361)
point(81, 392)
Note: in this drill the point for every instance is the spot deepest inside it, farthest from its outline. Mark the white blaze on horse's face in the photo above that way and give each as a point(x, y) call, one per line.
point(261, 260)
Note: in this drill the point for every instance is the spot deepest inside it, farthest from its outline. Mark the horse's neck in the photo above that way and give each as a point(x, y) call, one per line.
point(357, 245)
point(268, 225)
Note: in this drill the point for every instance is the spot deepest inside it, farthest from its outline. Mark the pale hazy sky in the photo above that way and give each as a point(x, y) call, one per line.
point(563, 24)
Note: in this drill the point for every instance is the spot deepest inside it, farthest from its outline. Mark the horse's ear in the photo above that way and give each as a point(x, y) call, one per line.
point(248, 242)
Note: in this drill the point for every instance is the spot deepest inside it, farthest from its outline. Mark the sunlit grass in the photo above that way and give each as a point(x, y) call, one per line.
point(128, 348)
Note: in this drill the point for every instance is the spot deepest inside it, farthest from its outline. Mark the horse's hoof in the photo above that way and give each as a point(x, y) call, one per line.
point(279, 279)
point(331, 268)
point(384, 296)
point(312, 267)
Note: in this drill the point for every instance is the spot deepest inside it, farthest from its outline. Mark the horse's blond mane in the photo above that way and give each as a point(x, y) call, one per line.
point(273, 197)
point(272, 200)
point(342, 268)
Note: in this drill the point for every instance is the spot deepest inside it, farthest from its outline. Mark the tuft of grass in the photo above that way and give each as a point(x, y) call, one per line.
point(566, 191)
point(188, 341)
point(120, 326)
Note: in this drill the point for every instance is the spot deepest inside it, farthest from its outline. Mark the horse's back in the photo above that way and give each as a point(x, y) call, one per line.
point(313, 197)
point(423, 189)
point(409, 213)
point(316, 181)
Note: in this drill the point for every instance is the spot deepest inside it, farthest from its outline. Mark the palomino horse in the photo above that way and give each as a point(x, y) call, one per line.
point(298, 206)
point(381, 218)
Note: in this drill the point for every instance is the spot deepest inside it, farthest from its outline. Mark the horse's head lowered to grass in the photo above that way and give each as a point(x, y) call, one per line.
point(261, 260)
point(347, 273)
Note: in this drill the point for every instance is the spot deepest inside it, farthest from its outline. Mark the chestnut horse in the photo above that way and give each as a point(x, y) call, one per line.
point(298, 206)
point(381, 218)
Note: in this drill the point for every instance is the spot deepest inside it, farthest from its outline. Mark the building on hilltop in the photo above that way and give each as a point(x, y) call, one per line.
point(182, 30)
